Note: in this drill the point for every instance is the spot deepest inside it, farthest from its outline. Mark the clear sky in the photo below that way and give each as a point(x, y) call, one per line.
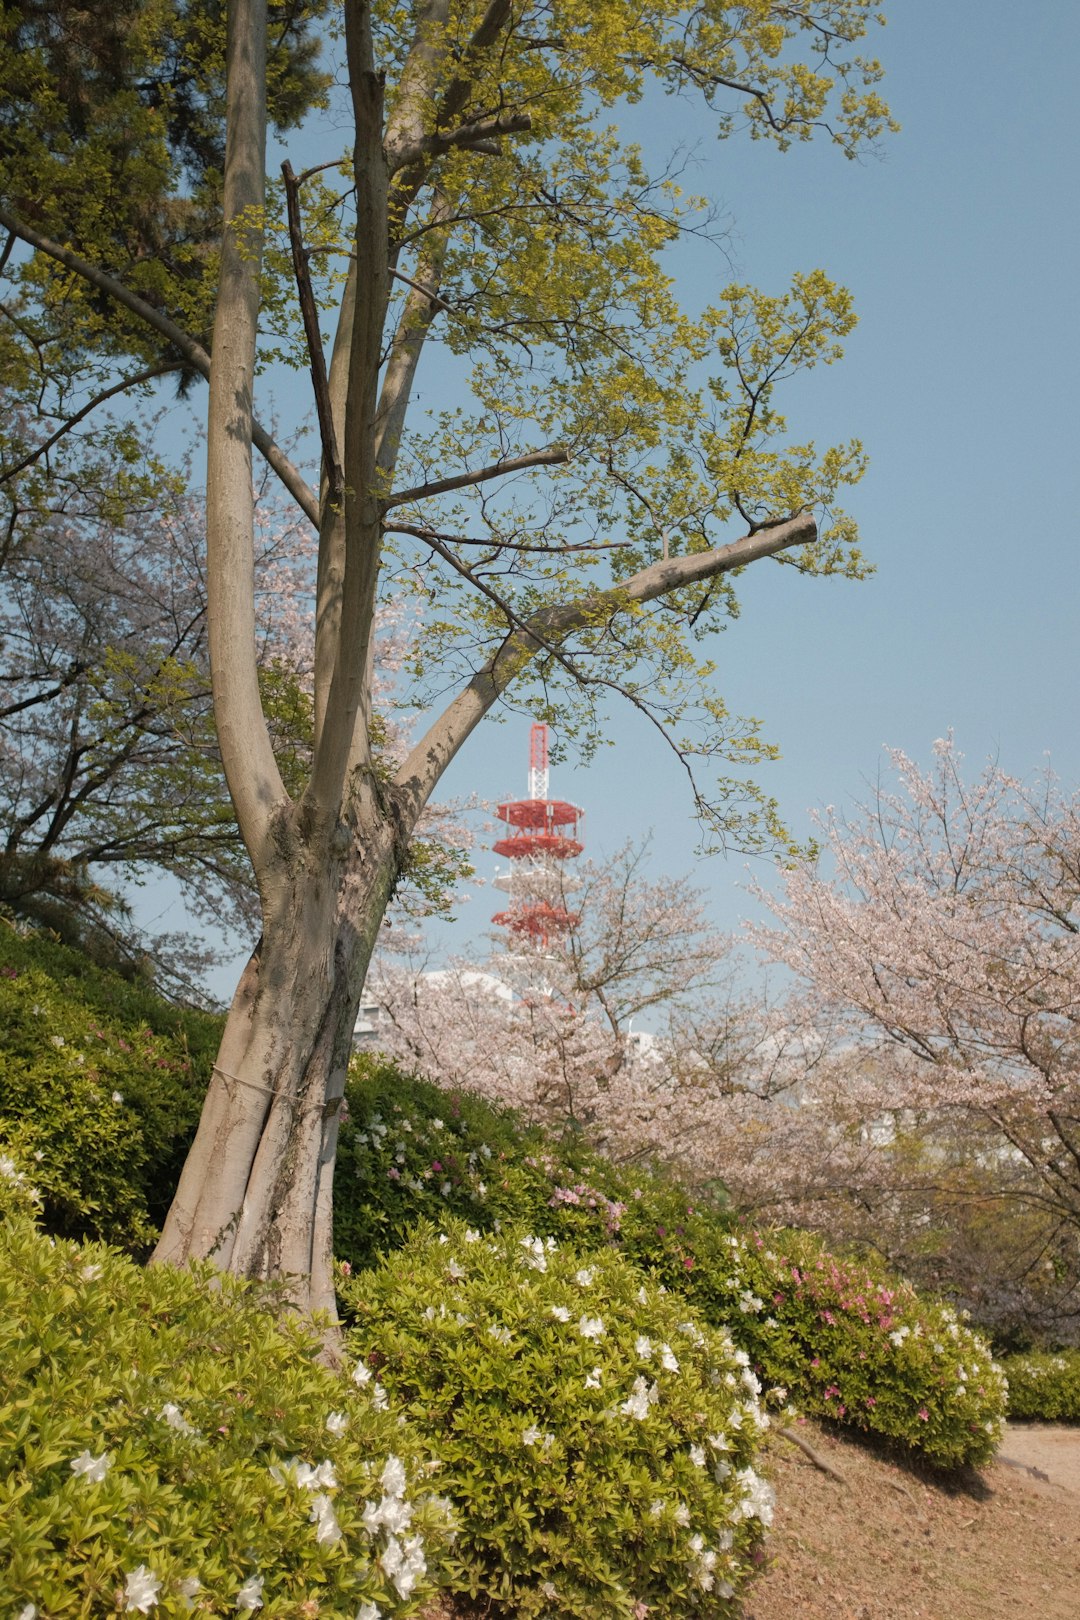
point(960, 243)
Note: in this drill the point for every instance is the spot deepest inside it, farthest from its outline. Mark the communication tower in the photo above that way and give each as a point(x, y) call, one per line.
point(541, 836)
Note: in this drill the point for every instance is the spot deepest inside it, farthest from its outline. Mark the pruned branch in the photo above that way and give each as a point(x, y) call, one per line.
point(185, 345)
point(316, 358)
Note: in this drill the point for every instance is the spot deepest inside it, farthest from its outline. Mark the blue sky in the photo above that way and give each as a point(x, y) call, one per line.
point(960, 243)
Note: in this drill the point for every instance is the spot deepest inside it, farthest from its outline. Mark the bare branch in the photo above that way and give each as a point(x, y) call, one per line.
point(421, 532)
point(554, 457)
point(480, 131)
point(316, 357)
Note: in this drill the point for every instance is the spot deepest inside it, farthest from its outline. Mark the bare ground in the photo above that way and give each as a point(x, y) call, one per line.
point(894, 1542)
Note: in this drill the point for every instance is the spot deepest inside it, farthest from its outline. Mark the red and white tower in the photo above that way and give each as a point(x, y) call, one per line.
point(541, 836)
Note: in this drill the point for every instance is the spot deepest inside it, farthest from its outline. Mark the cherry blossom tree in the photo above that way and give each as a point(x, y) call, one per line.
point(548, 1028)
point(940, 937)
point(570, 523)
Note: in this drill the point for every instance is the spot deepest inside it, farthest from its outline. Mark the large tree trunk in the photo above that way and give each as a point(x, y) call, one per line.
point(256, 1193)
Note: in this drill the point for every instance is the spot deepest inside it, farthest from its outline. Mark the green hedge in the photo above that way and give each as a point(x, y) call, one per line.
point(165, 1445)
point(1044, 1385)
point(103, 1083)
point(847, 1340)
point(595, 1437)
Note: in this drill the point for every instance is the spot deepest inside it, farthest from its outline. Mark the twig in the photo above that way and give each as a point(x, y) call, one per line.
point(815, 1457)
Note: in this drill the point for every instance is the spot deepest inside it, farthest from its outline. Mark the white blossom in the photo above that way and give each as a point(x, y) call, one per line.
point(393, 1476)
point(697, 1456)
point(369, 1611)
point(403, 1563)
point(530, 1436)
point(560, 1313)
point(323, 1517)
point(591, 1327)
point(642, 1345)
point(454, 1271)
point(171, 1414)
point(593, 1380)
point(668, 1359)
point(250, 1594)
point(91, 1468)
point(141, 1588)
point(189, 1589)
point(361, 1374)
point(584, 1276)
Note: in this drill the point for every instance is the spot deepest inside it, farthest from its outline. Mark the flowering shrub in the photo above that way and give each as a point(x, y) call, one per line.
point(103, 1082)
point(848, 1340)
point(166, 1447)
point(1044, 1385)
point(852, 1342)
point(596, 1440)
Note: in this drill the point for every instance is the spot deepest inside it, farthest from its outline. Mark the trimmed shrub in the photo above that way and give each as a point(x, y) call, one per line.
point(1044, 1385)
point(103, 1083)
point(847, 1339)
point(166, 1446)
point(596, 1439)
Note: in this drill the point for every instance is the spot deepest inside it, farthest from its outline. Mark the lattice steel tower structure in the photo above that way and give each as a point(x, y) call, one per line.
point(541, 837)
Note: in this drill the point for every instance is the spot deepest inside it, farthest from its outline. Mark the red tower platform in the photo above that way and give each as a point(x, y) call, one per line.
point(541, 834)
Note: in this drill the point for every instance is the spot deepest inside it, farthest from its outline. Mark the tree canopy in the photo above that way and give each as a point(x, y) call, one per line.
point(570, 523)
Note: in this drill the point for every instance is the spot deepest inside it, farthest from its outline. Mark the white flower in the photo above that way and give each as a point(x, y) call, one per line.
point(92, 1468)
point(642, 1345)
point(403, 1564)
point(899, 1336)
point(250, 1594)
point(322, 1515)
point(393, 1476)
point(667, 1358)
point(682, 1515)
point(642, 1396)
point(378, 1398)
point(697, 1456)
point(719, 1442)
point(593, 1380)
point(643, 1296)
point(437, 1125)
point(749, 1303)
point(429, 1313)
point(758, 1497)
point(58, 1041)
point(90, 1273)
point(693, 1333)
point(369, 1611)
point(118, 1097)
point(501, 1334)
point(584, 1276)
point(171, 1414)
point(550, 1591)
point(27, 1612)
point(471, 1235)
point(560, 1313)
point(530, 1436)
point(361, 1374)
point(534, 1255)
point(591, 1327)
point(141, 1589)
point(656, 1508)
point(189, 1589)
point(454, 1271)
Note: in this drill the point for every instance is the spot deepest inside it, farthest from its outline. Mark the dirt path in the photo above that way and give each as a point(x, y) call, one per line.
point(895, 1543)
point(1050, 1451)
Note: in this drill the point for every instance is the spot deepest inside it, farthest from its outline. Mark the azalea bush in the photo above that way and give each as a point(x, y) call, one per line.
point(103, 1082)
point(848, 1340)
point(167, 1446)
point(597, 1440)
point(1045, 1385)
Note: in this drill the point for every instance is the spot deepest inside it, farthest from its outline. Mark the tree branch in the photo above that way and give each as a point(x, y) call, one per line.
point(497, 469)
point(481, 130)
point(420, 772)
point(99, 399)
point(192, 351)
point(316, 358)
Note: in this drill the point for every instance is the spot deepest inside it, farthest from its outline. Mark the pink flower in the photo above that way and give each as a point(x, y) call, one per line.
point(394, 1174)
point(871, 1400)
point(924, 1414)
